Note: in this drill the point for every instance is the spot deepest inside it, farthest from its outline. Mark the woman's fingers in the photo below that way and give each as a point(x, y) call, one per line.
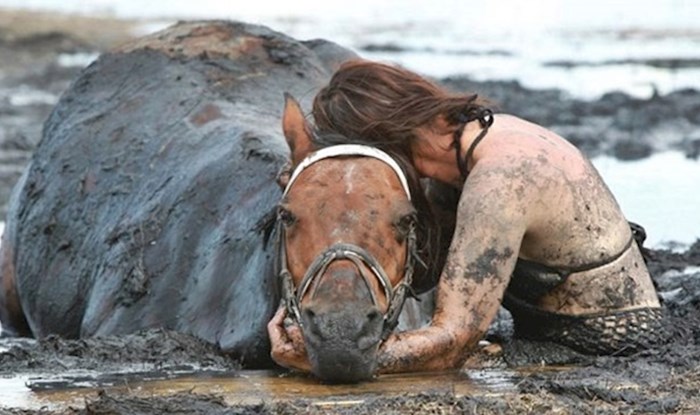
point(287, 342)
point(295, 336)
point(275, 328)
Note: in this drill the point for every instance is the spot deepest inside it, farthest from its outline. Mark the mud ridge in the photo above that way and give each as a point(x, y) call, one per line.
point(147, 350)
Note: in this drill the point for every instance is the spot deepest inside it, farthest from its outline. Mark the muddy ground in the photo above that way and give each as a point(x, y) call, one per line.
point(664, 379)
point(37, 63)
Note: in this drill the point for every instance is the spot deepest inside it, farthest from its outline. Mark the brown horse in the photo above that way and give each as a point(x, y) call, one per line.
point(347, 237)
point(141, 206)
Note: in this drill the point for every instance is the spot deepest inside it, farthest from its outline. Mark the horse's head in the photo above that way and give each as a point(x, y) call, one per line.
point(347, 238)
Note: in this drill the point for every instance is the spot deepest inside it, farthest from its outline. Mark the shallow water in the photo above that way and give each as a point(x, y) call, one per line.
point(509, 39)
point(250, 387)
point(660, 193)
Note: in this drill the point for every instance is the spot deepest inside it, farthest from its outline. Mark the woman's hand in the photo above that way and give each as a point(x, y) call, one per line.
point(426, 349)
point(287, 342)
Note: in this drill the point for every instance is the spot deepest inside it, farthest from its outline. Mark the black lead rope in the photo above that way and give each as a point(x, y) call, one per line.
point(485, 117)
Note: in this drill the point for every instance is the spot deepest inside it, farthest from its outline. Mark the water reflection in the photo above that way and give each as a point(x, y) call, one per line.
point(659, 192)
point(254, 387)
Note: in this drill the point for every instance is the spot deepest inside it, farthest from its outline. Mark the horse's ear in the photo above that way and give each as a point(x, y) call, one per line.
point(296, 130)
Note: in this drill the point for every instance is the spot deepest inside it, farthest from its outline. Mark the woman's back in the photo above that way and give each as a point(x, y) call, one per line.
point(577, 241)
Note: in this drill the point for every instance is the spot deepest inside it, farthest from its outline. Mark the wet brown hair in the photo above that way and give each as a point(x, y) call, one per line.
point(382, 106)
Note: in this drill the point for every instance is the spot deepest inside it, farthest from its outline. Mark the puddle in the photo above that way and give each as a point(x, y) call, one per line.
point(59, 392)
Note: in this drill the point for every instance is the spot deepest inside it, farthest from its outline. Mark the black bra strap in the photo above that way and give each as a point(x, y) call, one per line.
point(564, 272)
point(485, 118)
point(456, 139)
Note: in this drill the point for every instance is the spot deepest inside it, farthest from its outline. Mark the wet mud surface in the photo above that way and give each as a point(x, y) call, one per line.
point(160, 371)
point(41, 54)
point(167, 372)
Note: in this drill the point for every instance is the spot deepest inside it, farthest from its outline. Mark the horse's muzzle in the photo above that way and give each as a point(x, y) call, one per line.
point(342, 343)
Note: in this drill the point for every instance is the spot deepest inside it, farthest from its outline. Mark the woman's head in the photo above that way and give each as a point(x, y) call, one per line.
point(386, 106)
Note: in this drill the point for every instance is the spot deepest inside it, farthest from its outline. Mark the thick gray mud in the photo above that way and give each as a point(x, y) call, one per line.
point(665, 379)
point(169, 372)
point(616, 124)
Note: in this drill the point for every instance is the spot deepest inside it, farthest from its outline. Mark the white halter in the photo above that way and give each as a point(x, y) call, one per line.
point(396, 296)
point(349, 150)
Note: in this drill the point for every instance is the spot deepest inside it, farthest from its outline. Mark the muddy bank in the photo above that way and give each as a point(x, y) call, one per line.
point(617, 124)
point(41, 53)
point(147, 350)
point(423, 403)
point(664, 379)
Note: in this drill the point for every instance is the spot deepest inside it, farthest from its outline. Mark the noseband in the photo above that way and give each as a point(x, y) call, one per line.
point(342, 251)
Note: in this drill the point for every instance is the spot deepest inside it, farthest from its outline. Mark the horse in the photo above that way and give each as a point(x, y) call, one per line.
point(148, 204)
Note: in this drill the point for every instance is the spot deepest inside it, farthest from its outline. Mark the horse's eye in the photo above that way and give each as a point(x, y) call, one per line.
point(405, 223)
point(286, 216)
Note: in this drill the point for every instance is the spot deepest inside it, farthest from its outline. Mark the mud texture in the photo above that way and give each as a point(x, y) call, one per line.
point(40, 54)
point(146, 350)
point(664, 379)
point(616, 124)
point(661, 380)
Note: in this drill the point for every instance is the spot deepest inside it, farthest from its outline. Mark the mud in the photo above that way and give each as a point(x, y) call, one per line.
point(616, 124)
point(149, 350)
point(167, 372)
point(105, 375)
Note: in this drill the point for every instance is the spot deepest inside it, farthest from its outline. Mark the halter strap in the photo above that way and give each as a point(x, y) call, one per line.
point(395, 296)
point(349, 150)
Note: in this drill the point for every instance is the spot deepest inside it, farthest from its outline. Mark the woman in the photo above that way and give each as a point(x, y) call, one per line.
point(536, 230)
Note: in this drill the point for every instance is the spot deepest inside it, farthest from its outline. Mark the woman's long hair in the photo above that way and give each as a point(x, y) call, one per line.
point(382, 106)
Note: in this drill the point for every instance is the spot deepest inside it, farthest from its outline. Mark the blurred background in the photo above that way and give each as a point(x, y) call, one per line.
point(620, 79)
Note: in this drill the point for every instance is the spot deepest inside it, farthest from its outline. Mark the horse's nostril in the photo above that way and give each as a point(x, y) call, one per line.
point(373, 315)
point(311, 324)
point(309, 313)
point(370, 333)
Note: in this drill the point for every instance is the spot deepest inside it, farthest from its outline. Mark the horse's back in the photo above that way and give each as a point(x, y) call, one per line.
point(140, 205)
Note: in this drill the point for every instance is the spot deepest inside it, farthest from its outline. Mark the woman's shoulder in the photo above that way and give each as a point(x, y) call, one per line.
point(520, 145)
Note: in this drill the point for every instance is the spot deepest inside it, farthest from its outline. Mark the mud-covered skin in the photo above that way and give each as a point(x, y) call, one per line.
point(10, 309)
point(614, 286)
point(139, 207)
point(12, 316)
point(531, 195)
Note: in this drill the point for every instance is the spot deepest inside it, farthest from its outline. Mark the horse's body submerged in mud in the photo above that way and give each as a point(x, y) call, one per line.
point(141, 206)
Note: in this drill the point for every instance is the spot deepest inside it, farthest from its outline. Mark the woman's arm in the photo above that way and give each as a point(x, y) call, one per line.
point(491, 221)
